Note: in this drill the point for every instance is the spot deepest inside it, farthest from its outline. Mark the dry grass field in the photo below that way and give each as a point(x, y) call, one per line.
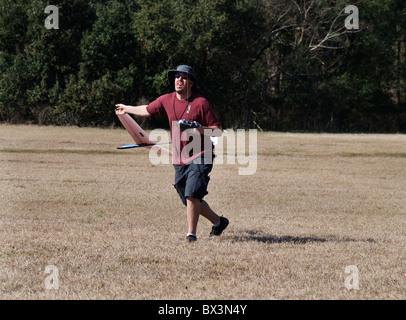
point(113, 226)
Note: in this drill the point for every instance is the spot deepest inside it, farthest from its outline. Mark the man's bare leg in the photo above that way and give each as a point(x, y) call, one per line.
point(193, 208)
point(208, 213)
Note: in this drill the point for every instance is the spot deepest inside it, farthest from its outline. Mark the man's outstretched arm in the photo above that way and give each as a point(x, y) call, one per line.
point(135, 110)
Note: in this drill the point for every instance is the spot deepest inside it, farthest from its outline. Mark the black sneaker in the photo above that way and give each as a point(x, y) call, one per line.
point(191, 238)
point(216, 231)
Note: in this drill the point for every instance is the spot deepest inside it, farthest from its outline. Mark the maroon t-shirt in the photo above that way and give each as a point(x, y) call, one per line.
point(196, 108)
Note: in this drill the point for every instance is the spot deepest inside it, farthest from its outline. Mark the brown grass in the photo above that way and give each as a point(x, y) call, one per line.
point(113, 225)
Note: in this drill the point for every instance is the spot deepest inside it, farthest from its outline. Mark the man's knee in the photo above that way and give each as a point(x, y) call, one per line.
point(192, 199)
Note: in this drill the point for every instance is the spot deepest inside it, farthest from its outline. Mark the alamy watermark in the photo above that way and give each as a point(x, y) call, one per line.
point(352, 21)
point(52, 21)
point(352, 280)
point(52, 280)
point(230, 147)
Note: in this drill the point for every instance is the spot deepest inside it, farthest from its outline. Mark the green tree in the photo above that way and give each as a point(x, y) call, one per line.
point(42, 60)
point(269, 64)
point(108, 68)
point(12, 42)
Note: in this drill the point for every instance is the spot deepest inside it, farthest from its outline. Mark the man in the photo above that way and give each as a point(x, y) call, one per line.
point(191, 178)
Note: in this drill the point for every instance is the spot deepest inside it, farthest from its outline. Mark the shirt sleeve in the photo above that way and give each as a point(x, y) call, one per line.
point(156, 108)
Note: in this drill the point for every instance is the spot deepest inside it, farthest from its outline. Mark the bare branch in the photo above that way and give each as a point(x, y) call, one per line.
point(333, 34)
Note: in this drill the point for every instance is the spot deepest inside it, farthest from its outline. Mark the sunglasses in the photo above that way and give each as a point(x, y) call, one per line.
point(184, 77)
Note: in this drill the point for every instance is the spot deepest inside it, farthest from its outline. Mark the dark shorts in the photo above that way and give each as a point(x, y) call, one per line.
point(191, 180)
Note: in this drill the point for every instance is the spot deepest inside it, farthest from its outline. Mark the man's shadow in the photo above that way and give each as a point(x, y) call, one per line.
point(259, 236)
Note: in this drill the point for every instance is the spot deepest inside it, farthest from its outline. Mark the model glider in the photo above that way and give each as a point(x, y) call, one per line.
point(139, 136)
point(142, 140)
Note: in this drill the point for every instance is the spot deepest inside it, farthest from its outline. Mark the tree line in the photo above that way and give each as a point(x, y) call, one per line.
point(282, 65)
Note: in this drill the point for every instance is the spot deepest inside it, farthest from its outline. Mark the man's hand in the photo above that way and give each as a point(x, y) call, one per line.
point(121, 109)
point(184, 125)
